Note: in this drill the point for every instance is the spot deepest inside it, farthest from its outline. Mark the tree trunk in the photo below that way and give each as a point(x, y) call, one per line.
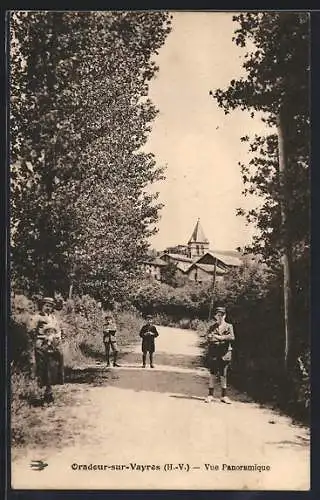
point(212, 290)
point(286, 257)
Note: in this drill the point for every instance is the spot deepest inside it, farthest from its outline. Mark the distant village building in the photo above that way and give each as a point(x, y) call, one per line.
point(195, 261)
point(152, 267)
point(213, 263)
point(179, 249)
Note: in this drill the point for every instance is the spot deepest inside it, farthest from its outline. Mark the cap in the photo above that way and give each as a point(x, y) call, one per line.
point(220, 310)
point(48, 326)
point(149, 316)
point(48, 300)
point(108, 315)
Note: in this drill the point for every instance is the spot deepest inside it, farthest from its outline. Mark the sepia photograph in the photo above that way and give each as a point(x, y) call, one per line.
point(159, 319)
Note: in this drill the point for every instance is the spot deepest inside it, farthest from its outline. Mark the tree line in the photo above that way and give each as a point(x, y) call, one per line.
point(79, 118)
point(277, 84)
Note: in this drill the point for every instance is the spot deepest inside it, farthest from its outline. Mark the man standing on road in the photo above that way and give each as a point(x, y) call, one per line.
point(109, 338)
point(48, 348)
point(219, 338)
point(148, 333)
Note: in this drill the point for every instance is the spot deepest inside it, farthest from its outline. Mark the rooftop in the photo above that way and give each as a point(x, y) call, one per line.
point(178, 256)
point(209, 268)
point(184, 266)
point(155, 262)
point(227, 258)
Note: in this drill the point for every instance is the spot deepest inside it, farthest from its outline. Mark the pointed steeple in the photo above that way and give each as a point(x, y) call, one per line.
point(198, 243)
point(198, 235)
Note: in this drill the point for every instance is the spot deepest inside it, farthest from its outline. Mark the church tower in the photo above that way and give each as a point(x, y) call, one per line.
point(198, 244)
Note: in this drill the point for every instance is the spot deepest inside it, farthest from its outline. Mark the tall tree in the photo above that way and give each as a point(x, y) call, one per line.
point(277, 84)
point(79, 116)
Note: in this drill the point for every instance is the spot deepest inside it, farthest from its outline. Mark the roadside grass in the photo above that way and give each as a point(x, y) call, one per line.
point(32, 423)
point(84, 338)
point(41, 427)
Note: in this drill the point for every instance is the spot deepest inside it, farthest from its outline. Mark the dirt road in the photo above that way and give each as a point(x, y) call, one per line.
point(127, 418)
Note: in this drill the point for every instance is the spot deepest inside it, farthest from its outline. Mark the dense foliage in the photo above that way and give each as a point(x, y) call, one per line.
point(277, 81)
point(80, 114)
point(276, 84)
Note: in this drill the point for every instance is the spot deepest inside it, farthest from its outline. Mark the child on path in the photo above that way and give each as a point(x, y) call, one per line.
point(109, 339)
point(148, 333)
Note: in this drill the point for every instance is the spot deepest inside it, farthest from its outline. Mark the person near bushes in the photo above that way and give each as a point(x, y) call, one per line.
point(148, 333)
point(109, 338)
point(48, 348)
point(220, 337)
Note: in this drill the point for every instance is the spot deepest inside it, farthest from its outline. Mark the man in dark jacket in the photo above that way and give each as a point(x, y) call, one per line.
point(148, 333)
point(220, 336)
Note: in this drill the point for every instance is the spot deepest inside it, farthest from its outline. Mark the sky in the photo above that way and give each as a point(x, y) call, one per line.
point(192, 137)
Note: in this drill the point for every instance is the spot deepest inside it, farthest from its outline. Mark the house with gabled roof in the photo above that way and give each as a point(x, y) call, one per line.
point(211, 264)
point(195, 260)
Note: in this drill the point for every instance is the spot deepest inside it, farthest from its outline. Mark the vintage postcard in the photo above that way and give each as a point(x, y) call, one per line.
point(160, 241)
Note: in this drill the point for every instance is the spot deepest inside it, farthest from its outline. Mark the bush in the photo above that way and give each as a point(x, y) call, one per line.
point(177, 304)
point(24, 393)
point(129, 324)
point(82, 323)
point(19, 339)
point(163, 320)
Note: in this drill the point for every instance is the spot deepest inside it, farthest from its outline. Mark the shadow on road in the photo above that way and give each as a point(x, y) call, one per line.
point(300, 443)
point(179, 385)
point(163, 358)
point(186, 397)
point(92, 376)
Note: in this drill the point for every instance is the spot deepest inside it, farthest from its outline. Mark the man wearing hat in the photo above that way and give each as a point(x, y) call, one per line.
point(220, 336)
point(148, 333)
point(109, 338)
point(48, 349)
